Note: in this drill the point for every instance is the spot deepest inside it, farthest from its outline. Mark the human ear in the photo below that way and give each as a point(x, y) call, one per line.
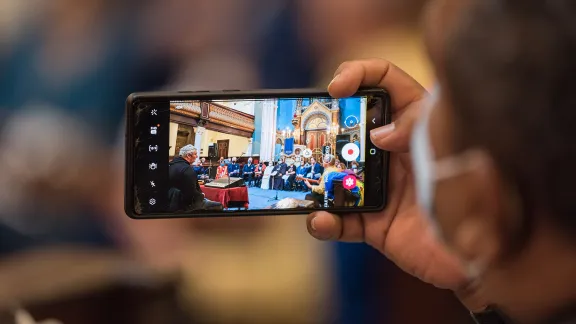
point(477, 237)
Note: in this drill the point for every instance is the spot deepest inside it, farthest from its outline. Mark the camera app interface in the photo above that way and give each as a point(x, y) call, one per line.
point(261, 154)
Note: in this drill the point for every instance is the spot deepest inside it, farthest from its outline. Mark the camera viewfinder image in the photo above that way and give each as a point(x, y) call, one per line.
point(283, 153)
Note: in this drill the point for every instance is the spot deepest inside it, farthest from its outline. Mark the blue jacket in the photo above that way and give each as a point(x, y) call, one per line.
point(247, 168)
point(234, 167)
point(316, 169)
point(200, 169)
point(302, 170)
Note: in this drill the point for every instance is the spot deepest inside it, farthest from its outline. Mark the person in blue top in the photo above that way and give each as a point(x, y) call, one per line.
point(316, 170)
point(248, 172)
point(234, 168)
point(198, 168)
point(203, 168)
point(301, 171)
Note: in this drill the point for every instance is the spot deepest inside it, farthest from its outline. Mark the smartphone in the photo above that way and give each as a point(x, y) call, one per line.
point(248, 153)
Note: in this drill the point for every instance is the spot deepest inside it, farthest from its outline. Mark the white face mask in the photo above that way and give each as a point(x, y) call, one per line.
point(428, 171)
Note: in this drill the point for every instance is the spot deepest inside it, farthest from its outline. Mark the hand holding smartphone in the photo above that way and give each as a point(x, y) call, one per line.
point(245, 153)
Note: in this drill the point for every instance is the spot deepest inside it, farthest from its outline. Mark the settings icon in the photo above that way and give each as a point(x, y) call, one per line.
point(152, 201)
point(349, 182)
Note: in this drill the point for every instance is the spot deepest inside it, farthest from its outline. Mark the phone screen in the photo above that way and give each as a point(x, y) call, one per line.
point(228, 155)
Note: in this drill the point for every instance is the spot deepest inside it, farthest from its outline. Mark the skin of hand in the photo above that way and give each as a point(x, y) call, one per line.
point(400, 231)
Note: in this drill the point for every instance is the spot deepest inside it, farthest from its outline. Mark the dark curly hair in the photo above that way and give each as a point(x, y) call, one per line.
point(511, 70)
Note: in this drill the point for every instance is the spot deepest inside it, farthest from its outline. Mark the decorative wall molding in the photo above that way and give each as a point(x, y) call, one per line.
point(186, 108)
point(239, 122)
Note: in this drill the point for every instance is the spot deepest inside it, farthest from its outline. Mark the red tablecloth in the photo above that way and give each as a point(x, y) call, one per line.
point(236, 196)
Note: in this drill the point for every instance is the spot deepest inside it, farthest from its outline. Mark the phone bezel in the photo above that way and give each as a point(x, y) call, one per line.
point(154, 97)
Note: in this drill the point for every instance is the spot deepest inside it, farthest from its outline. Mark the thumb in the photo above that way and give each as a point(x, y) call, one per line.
point(395, 137)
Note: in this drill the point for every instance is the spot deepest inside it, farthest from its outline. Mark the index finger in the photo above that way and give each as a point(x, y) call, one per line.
point(350, 76)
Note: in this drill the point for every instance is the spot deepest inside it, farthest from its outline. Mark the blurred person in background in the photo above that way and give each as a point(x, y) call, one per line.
point(468, 211)
point(14, 16)
point(62, 87)
point(50, 191)
point(211, 43)
point(64, 77)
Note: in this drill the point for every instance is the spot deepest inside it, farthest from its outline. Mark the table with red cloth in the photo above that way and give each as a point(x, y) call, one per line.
point(229, 197)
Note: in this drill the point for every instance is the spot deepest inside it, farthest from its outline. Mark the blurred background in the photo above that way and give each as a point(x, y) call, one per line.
point(67, 250)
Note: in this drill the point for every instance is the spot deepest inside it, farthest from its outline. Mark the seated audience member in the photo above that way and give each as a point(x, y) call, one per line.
point(203, 167)
point(301, 171)
point(354, 166)
point(258, 173)
point(338, 164)
point(315, 170)
point(198, 167)
point(317, 194)
point(290, 176)
point(276, 182)
point(234, 168)
point(248, 171)
point(185, 192)
point(222, 170)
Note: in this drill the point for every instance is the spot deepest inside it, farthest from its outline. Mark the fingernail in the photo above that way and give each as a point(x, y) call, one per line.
point(382, 131)
point(334, 79)
point(313, 223)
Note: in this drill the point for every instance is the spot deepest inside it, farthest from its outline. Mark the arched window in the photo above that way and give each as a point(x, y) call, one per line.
point(318, 122)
